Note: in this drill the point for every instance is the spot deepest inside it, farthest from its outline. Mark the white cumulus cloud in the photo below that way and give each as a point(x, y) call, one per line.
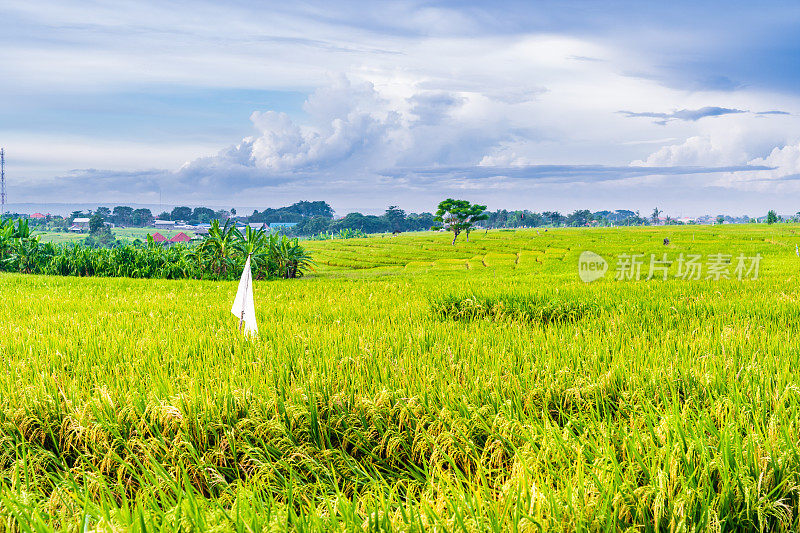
point(786, 161)
point(699, 150)
point(354, 126)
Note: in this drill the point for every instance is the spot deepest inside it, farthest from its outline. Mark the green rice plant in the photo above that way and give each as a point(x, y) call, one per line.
point(449, 264)
point(402, 397)
point(522, 308)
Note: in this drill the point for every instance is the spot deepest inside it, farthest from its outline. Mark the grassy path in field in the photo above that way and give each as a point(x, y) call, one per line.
point(469, 388)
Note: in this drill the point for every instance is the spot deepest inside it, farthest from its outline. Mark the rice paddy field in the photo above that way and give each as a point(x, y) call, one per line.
point(409, 385)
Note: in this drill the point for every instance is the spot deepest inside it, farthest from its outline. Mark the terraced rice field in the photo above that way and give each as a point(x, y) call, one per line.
point(409, 385)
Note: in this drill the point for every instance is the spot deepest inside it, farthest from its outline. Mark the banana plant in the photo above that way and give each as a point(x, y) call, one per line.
point(292, 259)
point(220, 256)
point(218, 250)
point(26, 254)
point(257, 245)
point(23, 230)
point(6, 238)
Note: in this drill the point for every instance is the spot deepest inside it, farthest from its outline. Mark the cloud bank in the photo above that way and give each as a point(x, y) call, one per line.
point(693, 115)
point(365, 105)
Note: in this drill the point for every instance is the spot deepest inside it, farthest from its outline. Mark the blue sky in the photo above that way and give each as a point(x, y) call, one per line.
point(689, 106)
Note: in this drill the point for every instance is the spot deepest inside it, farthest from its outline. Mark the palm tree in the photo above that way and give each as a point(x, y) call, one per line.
point(656, 213)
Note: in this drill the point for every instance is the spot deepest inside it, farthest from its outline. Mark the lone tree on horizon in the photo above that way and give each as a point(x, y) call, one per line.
point(459, 215)
point(772, 217)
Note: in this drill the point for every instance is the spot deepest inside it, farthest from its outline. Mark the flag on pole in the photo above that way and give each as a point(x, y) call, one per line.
point(243, 306)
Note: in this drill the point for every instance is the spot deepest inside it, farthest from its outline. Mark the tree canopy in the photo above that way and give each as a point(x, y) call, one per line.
point(459, 215)
point(772, 217)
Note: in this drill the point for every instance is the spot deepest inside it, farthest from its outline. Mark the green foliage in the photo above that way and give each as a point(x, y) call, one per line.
point(656, 213)
point(524, 308)
point(363, 223)
point(393, 220)
point(100, 235)
point(102, 238)
point(19, 248)
point(291, 259)
point(341, 234)
point(96, 223)
point(395, 217)
point(181, 213)
point(202, 215)
point(459, 215)
point(141, 217)
point(296, 212)
point(772, 217)
point(123, 215)
point(580, 217)
point(220, 248)
point(220, 256)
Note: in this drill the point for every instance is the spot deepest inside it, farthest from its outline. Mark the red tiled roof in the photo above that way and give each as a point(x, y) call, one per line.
point(180, 237)
point(158, 237)
point(37, 215)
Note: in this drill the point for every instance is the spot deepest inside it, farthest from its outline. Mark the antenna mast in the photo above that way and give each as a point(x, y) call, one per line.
point(2, 182)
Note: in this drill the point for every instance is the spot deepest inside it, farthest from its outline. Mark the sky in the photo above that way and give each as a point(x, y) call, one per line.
point(692, 107)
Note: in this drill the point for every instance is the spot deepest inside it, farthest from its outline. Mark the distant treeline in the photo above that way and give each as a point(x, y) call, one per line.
point(317, 218)
point(123, 215)
point(395, 219)
point(296, 212)
point(310, 218)
point(581, 217)
point(392, 220)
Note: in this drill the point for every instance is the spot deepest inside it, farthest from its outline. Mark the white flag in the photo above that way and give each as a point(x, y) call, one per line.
point(243, 306)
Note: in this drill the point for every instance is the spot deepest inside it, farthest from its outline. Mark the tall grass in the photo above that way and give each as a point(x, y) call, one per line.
point(136, 405)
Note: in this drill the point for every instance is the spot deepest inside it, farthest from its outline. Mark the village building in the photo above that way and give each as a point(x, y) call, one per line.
point(180, 237)
point(79, 225)
point(164, 224)
point(282, 225)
